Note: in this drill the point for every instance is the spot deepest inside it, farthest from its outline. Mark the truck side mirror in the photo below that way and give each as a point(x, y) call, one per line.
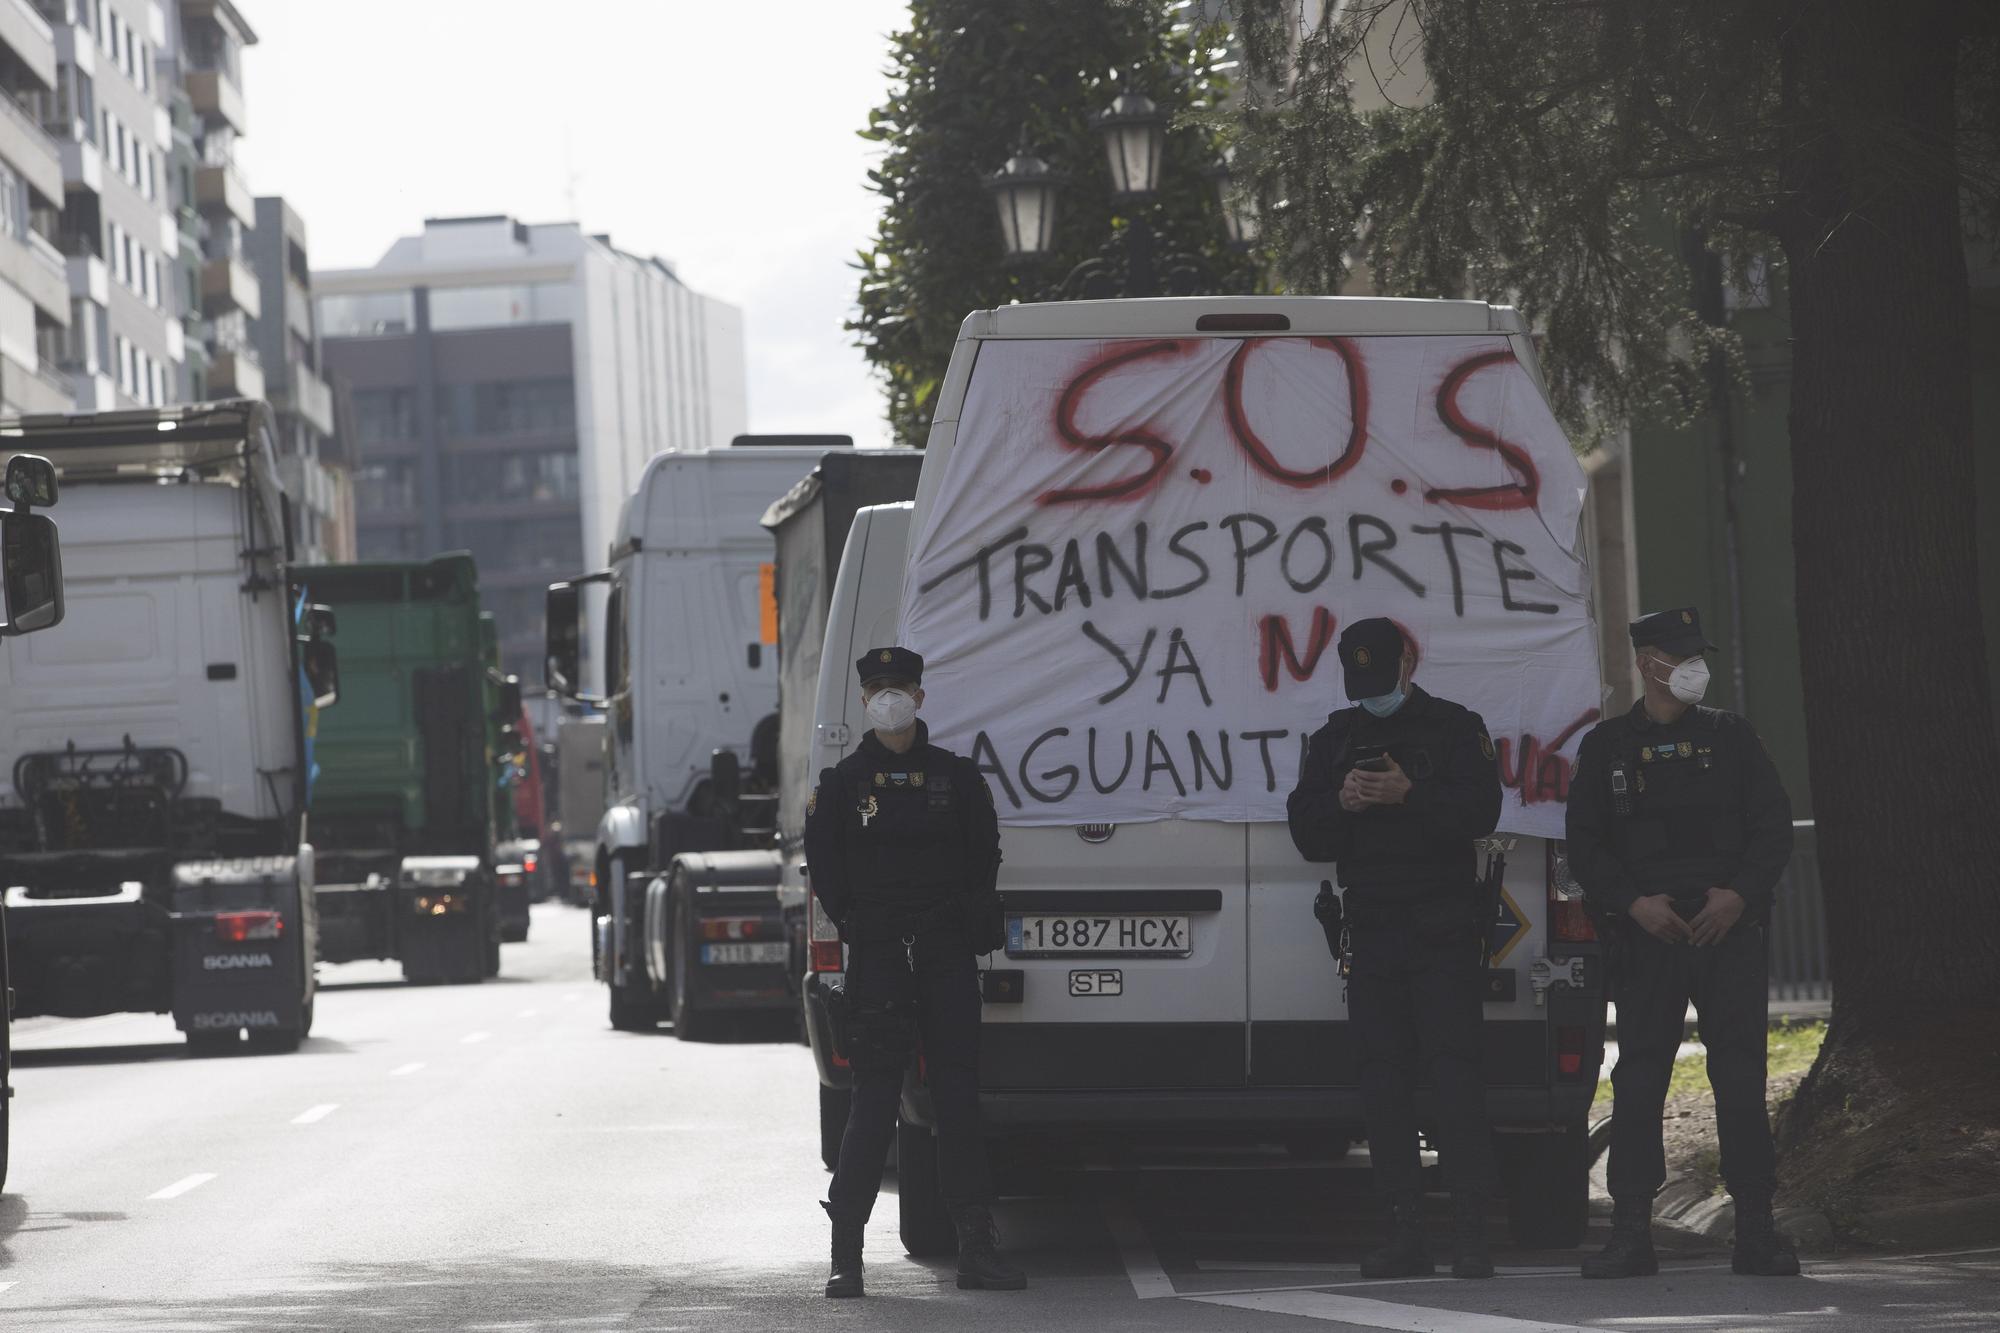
point(320, 622)
point(725, 779)
point(322, 668)
point(31, 560)
point(31, 482)
point(564, 640)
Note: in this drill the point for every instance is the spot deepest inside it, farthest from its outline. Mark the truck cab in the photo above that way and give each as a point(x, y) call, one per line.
point(152, 840)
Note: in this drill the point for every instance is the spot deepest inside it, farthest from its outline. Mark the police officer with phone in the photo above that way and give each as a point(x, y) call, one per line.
point(1394, 790)
point(904, 850)
point(1679, 828)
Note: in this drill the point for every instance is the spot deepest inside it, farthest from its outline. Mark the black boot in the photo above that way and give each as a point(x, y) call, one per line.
point(1469, 1257)
point(1760, 1251)
point(980, 1267)
point(845, 1279)
point(1630, 1251)
point(1404, 1255)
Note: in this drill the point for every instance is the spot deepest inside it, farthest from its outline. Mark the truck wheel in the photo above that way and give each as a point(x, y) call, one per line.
point(690, 1024)
point(834, 1104)
point(492, 960)
point(275, 1041)
point(1548, 1186)
point(922, 1222)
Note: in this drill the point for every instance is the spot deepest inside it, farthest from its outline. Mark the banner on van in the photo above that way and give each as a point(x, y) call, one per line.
point(1141, 553)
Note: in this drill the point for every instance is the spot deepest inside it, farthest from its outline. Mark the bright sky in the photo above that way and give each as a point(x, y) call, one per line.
point(720, 137)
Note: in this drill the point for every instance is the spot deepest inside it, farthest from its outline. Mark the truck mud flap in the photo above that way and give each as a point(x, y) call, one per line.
point(241, 941)
point(75, 957)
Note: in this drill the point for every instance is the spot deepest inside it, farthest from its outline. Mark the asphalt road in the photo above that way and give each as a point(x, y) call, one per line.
point(495, 1157)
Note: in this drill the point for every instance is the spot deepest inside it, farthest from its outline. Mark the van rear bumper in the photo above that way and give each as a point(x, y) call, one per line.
point(1247, 1112)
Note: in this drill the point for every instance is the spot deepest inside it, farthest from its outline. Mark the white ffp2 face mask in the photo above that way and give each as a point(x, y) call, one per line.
point(1688, 682)
point(892, 710)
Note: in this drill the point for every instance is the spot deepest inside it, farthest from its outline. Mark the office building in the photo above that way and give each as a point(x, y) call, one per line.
point(506, 384)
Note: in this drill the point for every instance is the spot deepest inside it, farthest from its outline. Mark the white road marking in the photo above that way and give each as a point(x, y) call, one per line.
point(182, 1186)
point(316, 1114)
point(471, 1037)
point(1142, 1266)
point(410, 1068)
point(5, 1285)
point(1383, 1314)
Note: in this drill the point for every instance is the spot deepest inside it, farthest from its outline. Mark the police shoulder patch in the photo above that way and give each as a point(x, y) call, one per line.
point(812, 801)
point(1486, 745)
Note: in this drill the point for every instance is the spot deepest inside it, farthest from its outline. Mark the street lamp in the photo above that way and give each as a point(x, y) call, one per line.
point(1025, 193)
point(1134, 134)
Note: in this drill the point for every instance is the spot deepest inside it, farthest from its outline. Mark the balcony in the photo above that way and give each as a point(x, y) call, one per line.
point(38, 271)
point(217, 99)
point(82, 166)
point(31, 39)
point(298, 308)
point(234, 373)
point(31, 150)
point(222, 189)
point(228, 284)
point(33, 391)
point(307, 395)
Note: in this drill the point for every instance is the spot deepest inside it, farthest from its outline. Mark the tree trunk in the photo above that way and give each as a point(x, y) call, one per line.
point(1904, 758)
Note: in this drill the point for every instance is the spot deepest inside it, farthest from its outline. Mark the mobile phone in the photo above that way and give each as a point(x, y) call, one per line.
point(1371, 759)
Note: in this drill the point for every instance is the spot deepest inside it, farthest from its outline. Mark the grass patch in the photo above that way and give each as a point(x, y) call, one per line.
point(1789, 1049)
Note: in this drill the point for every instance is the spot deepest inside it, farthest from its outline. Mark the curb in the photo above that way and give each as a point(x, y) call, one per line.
point(1945, 1224)
point(1688, 1206)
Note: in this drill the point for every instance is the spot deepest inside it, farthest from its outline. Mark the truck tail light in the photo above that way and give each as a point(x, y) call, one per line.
point(242, 927)
point(1569, 1054)
point(1568, 922)
point(731, 928)
point(824, 954)
point(530, 862)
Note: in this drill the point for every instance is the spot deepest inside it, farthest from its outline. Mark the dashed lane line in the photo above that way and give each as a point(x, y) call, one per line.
point(5, 1285)
point(409, 1068)
point(183, 1185)
point(1366, 1313)
point(471, 1037)
point(316, 1114)
point(1149, 1280)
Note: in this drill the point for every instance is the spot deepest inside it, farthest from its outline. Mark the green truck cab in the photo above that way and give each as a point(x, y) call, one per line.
point(408, 804)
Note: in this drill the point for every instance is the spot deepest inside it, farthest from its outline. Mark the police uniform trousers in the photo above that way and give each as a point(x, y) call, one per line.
point(1727, 983)
point(1414, 999)
point(944, 985)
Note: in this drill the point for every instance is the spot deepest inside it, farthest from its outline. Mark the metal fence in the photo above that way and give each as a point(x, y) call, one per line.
point(1797, 931)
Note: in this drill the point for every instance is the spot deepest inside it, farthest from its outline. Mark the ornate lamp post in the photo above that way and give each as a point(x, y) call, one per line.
point(1024, 191)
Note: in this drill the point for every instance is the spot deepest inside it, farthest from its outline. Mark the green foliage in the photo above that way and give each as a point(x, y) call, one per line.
point(1554, 154)
point(972, 80)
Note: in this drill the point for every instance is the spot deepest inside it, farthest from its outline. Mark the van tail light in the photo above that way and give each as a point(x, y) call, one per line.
point(824, 952)
point(1568, 922)
point(242, 927)
point(731, 928)
point(1569, 1054)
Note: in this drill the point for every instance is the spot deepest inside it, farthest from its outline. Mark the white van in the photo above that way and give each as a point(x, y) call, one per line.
point(1109, 489)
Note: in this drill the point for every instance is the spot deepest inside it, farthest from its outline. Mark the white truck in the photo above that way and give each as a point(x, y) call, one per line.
point(1139, 526)
point(153, 847)
point(31, 598)
point(686, 922)
point(579, 772)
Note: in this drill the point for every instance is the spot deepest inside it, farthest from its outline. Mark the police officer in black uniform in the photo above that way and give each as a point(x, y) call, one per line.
point(1395, 790)
point(904, 851)
point(1678, 831)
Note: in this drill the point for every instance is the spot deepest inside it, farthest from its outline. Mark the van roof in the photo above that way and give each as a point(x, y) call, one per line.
point(1181, 315)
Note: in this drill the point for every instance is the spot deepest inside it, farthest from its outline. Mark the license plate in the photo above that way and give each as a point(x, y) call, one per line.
point(774, 952)
point(1032, 935)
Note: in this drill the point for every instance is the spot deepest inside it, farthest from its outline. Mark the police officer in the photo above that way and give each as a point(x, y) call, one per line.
point(1395, 789)
point(1678, 831)
point(904, 851)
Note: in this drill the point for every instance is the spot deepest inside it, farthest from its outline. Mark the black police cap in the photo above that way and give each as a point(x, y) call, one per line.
point(1677, 632)
point(890, 664)
point(1371, 657)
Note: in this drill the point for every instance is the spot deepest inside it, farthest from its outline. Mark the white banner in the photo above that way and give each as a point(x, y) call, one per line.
point(1142, 552)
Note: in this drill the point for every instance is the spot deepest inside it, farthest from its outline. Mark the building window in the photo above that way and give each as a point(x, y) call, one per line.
point(527, 478)
point(13, 204)
point(367, 314)
point(501, 304)
point(385, 416)
point(540, 545)
point(386, 484)
point(516, 407)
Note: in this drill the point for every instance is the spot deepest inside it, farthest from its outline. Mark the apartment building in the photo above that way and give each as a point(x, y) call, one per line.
point(108, 111)
point(506, 385)
point(284, 337)
point(34, 282)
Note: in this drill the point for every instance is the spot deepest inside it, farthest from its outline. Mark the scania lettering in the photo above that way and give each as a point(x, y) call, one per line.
point(225, 962)
point(158, 742)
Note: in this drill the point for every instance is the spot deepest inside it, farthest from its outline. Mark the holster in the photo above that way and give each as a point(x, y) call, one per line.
point(871, 1034)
